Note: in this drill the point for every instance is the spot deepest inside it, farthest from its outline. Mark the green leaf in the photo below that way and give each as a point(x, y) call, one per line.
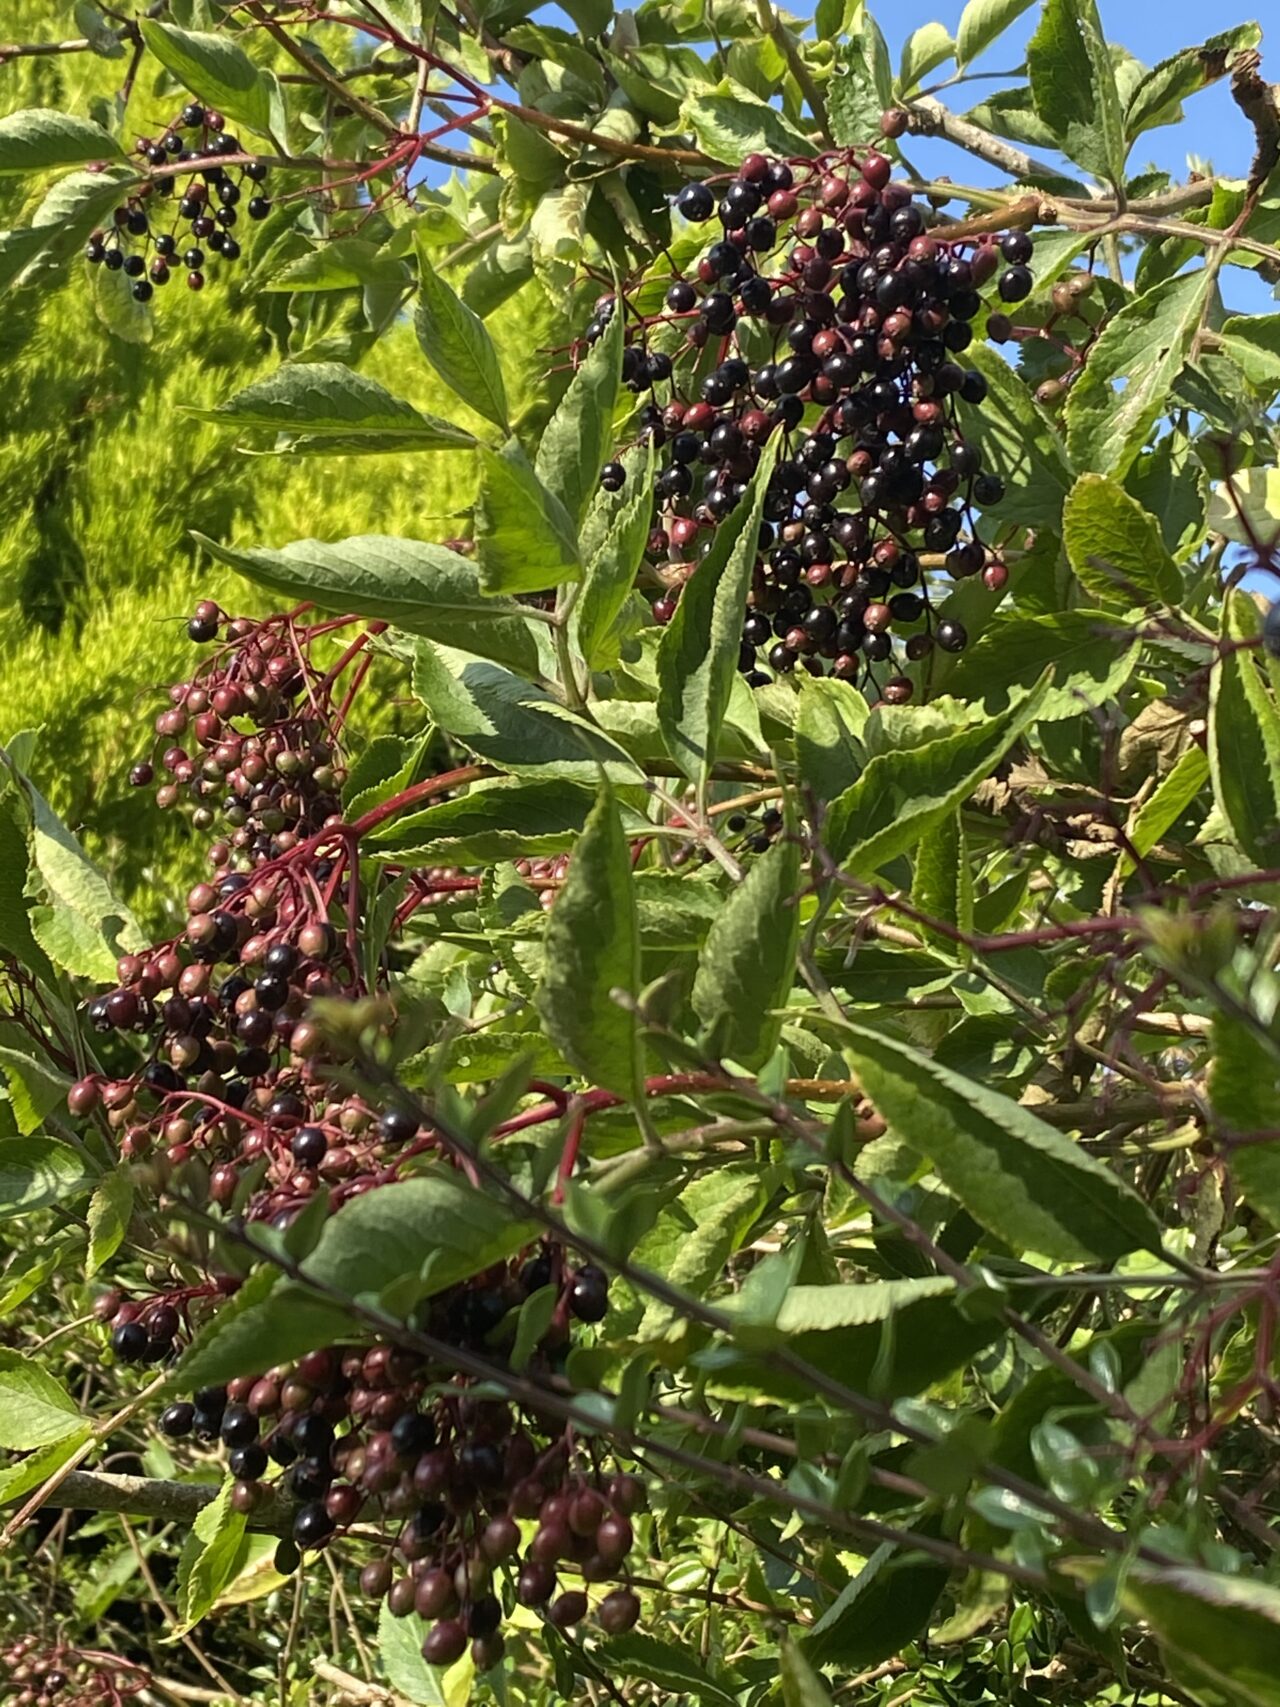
point(884, 1608)
point(1219, 1634)
point(1092, 655)
point(323, 408)
point(695, 1238)
point(980, 23)
point(619, 525)
point(1157, 97)
point(1018, 442)
point(861, 85)
point(109, 1210)
point(729, 126)
point(1073, 82)
point(579, 436)
point(592, 949)
point(34, 1470)
point(673, 1666)
point(15, 924)
point(1142, 350)
point(91, 926)
point(34, 1409)
point(400, 1652)
point(75, 205)
point(217, 69)
point(102, 39)
point(209, 1559)
point(1161, 810)
point(1246, 1099)
point(511, 722)
point(35, 1172)
point(36, 1087)
point(37, 138)
point(922, 52)
point(828, 735)
point(698, 652)
point(118, 309)
point(526, 541)
point(801, 1685)
point(904, 792)
point(1115, 547)
point(455, 342)
point(1244, 739)
point(340, 263)
point(268, 1321)
point(1020, 1178)
point(749, 960)
point(512, 820)
point(433, 1229)
point(423, 589)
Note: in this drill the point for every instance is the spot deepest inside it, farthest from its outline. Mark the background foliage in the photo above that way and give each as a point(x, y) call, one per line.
point(907, 1062)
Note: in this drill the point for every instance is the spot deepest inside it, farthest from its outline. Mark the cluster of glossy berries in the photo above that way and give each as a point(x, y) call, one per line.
point(179, 218)
point(380, 1436)
point(214, 1073)
point(266, 791)
point(826, 311)
point(1059, 354)
point(33, 1674)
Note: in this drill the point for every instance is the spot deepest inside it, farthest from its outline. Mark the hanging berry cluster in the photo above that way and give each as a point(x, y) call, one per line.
point(825, 311)
point(438, 1479)
point(33, 1674)
point(176, 220)
point(268, 790)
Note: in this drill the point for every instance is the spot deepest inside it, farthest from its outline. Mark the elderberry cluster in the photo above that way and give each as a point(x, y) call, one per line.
point(268, 790)
point(178, 218)
point(827, 312)
point(33, 1675)
point(380, 1436)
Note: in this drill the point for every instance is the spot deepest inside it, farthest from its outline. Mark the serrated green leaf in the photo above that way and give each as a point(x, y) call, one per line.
point(748, 960)
point(109, 1210)
point(1244, 1087)
point(37, 138)
point(577, 440)
point(1092, 655)
point(902, 793)
point(209, 1558)
point(698, 652)
point(729, 126)
point(1125, 384)
point(526, 541)
point(423, 589)
point(1115, 547)
point(454, 340)
point(981, 22)
point(326, 401)
point(1019, 1177)
point(614, 536)
point(1244, 739)
point(217, 69)
point(1156, 98)
point(34, 1409)
point(38, 1171)
point(592, 948)
point(923, 51)
point(1073, 82)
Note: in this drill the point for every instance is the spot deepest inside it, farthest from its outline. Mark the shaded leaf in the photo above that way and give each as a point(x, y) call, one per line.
point(455, 342)
point(592, 948)
point(577, 440)
point(748, 960)
point(217, 69)
point(1244, 739)
point(37, 138)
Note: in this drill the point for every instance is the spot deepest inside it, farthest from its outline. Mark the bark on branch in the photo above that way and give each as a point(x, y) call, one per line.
point(149, 1497)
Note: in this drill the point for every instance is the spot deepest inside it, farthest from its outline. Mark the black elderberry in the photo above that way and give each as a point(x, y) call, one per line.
point(136, 224)
point(484, 1615)
point(134, 266)
point(239, 1426)
point(129, 1342)
point(613, 476)
point(259, 207)
point(193, 115)
point(398, 1126)
point(681, 297)
point(247, 1463)
point(696, 203)
point(413, 1434)
point(1014, 284)
point(951, 635)
point(589, 1294)
point(176, 1420)
point(313, 1434)
point(281, 957)
point(1016, 247)
point(973, 387)
point(312, 1525)
point(309, 1146)
point(988, 489)
point(95, 250)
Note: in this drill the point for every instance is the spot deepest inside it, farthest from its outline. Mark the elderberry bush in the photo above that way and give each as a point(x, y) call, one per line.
point(826, 312)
